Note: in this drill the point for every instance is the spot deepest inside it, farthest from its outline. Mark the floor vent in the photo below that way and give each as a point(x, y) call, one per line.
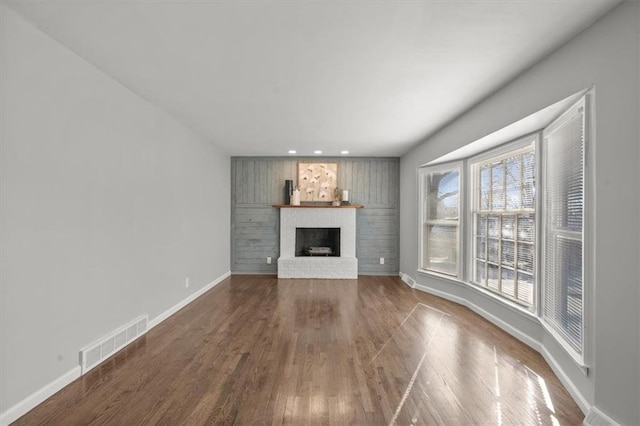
point(408, 280)
point(98, 351)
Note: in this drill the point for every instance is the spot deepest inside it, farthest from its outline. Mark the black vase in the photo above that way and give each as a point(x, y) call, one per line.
point(288, 190)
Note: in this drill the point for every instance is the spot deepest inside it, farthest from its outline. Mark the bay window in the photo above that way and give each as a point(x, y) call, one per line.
point(519, 210)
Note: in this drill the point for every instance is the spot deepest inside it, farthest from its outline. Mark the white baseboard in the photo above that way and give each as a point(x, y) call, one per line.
point(524, 338)
point(27, 404)
point(566, 382)
point(30, 402)
point(193, 296)
point(596, 417)
point(593, 416)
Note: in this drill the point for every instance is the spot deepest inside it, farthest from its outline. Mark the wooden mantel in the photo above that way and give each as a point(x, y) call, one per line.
point(320, 206)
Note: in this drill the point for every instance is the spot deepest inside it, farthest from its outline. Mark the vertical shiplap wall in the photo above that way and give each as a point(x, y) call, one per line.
point(258, 182)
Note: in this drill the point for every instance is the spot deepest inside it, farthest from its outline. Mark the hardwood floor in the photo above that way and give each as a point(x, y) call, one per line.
point(258, 350)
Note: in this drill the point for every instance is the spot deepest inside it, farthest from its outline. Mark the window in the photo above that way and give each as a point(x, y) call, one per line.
point(441, 220)
point(523, 223)
point(503, 216)
point(564, 145)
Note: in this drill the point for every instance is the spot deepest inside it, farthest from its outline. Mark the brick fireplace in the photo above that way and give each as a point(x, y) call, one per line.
point(341, 264)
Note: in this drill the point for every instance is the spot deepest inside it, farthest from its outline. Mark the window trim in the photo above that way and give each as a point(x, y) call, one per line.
point(423, 171)
point(514, 146)
point(586, 98)
point(587, 233)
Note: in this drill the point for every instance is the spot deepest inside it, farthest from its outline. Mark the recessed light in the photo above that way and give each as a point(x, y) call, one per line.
point(317, 151)
point(292, 151)
point(344, 152)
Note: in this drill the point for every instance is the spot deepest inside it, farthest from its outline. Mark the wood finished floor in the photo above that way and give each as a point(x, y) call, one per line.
point(258, 350)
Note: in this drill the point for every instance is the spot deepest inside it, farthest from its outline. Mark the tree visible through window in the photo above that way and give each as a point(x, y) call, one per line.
point(503, 221)
point(503, 233)
point(441, 222)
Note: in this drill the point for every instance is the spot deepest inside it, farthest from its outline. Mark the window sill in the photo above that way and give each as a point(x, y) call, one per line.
point(523, 312)
point(486, 293)
point(575, 357)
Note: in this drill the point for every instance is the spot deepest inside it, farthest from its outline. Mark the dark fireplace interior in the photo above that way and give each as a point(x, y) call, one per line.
point(317, 237)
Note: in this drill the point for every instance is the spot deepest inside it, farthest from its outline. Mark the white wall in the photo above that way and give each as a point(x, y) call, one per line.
point(108, 204)
point(605, 55)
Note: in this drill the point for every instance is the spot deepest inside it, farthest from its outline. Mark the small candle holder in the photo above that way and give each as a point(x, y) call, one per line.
point(345, 197)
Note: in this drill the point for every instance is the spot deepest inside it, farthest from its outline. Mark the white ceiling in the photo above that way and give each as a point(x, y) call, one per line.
point(264, 77)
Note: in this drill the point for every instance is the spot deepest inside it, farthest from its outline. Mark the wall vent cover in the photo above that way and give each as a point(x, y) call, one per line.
point(408, 280)
point(98, 351)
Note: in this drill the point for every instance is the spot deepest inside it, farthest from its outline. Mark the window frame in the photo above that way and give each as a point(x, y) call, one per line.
point(588, 252)
point(513, 147)
point(423, 172)
point(466, 226)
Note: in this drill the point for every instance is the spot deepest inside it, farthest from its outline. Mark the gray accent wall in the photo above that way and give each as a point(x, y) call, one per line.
point(258, 182)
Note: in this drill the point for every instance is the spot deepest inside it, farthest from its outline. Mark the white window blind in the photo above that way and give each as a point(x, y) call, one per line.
point(504, 224)
point(440, 238)
point(564, 147)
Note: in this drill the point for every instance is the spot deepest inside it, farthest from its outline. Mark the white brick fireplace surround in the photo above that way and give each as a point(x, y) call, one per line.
point(345, 266)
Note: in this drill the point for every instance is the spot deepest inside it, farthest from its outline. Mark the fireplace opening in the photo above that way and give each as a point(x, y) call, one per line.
point(317, 242)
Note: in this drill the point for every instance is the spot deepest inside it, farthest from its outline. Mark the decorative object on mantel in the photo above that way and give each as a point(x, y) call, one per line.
point(336, 197)
point(345, 197)
point(288, 191)
point(317, 181)
point(295, 197)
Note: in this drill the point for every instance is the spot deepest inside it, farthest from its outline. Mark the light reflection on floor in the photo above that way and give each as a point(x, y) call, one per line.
point(533, 381)
point(536, 396)
point(497, 387)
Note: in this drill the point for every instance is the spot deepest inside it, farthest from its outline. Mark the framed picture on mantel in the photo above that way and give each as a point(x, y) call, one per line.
point(317, 182)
